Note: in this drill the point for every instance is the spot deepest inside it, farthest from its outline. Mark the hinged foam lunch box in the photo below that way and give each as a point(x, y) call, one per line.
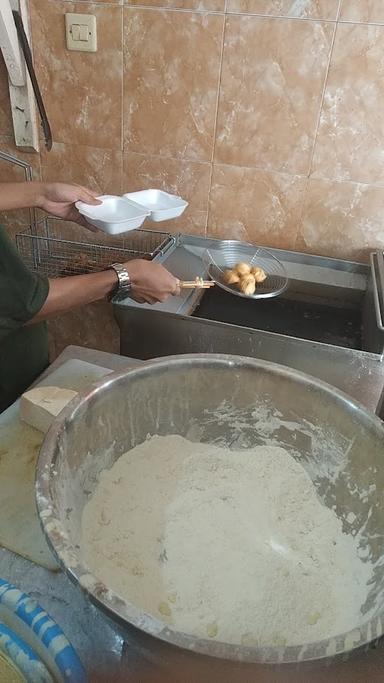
point(118, 214)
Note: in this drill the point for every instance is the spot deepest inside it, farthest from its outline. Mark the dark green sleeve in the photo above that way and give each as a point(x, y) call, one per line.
point(22, 292)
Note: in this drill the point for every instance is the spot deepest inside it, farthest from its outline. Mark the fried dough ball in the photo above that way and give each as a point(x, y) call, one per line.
point(245, 277)
point(231, 277)
point(258, 274)
point(242, 269)
point(247, 285)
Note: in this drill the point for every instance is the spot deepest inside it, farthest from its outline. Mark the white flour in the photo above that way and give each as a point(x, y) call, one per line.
point(222, 544)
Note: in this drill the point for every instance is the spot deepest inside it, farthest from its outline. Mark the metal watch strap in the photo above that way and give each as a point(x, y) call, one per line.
point(124, 286)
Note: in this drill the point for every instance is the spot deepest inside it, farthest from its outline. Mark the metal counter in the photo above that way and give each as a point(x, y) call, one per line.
point(100, 646)
point(187, 324)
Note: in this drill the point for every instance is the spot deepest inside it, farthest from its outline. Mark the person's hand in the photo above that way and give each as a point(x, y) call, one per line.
point(58, 199)
point(151, 282)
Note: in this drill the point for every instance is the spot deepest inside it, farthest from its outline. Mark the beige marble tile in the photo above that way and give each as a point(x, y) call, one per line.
point(255, 206)
point(171, 74)
point(99, 258)
point(272, 81)
point(94, 167)
point(6, 127)
point(187, 179)
point(15, 222)
point(306, 9)
point(19, 220)
point(92, 326)
point(362, 10)
point(10, 172)
point(201, 5)
point(99, 2)
point(350, 142)
point(342, 219)
point(82, 90)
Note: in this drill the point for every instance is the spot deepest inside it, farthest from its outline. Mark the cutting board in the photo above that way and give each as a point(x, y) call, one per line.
point(20, 529)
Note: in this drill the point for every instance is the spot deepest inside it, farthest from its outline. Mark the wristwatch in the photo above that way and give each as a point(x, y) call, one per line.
point(124, 286)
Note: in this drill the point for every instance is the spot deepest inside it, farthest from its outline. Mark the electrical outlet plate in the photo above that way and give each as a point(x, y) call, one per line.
point(80, 31)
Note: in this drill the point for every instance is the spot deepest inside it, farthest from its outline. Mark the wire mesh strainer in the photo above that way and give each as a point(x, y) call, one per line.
point(228, 253)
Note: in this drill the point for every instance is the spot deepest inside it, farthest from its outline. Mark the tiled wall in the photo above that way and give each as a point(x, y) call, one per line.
point(267, 115)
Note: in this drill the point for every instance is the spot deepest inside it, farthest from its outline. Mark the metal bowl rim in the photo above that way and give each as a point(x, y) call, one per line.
point(112, 603)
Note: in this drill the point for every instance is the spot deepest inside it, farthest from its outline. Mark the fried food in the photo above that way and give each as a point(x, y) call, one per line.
point(258, 273)
point(248, 285)
point(242, 269)
point(231, 277)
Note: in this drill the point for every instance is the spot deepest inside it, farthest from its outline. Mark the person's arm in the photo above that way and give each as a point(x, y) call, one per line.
point(57, 199)
point(19, 195)
point(151, 283)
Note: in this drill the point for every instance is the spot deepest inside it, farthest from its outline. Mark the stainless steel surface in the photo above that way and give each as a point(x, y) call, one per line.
point(54, 256)
point(380, 262)
point(99, 644)
point(217, 399)
point(185, 260)
point(228, 253)
point(173, 327)
point(359, 374)
point(377, 266)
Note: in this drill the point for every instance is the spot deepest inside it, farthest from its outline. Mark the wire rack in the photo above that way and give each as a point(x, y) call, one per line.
point(57, 257)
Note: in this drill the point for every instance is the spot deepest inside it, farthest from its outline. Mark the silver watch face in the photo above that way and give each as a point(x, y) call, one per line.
point(125, 284)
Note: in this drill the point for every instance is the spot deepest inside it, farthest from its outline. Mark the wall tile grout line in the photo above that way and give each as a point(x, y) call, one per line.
point(188, 160)
point(322, 97)
point(122, 78)
point(306, 185)
point(280, 16)
point(121, 3)
point(339, 10)
point(216, 118)
point(360, 23)
point(220, 12)
point(122, 127)
point(301, 214)
point(180, 10)
point(271, 171)
point(98, 3)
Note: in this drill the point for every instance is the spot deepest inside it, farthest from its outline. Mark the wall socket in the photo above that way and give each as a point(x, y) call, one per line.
point(81, 32)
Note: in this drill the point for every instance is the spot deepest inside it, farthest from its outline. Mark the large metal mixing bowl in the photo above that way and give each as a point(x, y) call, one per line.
point(227, 400)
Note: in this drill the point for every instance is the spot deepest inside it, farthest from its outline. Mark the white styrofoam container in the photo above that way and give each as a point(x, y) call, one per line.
point(115, 215)
point(161, 205)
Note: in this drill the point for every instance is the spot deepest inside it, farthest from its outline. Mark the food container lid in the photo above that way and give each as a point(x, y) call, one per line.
point(114, 209)
point(160, 204)
point(156, 200)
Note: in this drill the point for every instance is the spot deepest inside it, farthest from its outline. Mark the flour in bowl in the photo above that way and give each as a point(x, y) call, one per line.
point(231, 545)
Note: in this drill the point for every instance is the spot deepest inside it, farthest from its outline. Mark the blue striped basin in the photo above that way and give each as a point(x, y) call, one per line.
point(33, 642)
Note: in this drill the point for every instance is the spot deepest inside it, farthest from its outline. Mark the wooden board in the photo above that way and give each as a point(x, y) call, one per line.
point(20, 529)
point(21, 95)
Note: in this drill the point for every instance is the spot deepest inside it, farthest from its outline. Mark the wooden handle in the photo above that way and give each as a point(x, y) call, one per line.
point(198, 283)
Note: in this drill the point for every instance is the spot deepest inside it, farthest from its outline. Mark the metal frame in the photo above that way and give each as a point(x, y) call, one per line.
point(57, 257)
point(377, 269)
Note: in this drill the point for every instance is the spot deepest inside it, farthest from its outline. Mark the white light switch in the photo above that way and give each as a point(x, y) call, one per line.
point(80, 30)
